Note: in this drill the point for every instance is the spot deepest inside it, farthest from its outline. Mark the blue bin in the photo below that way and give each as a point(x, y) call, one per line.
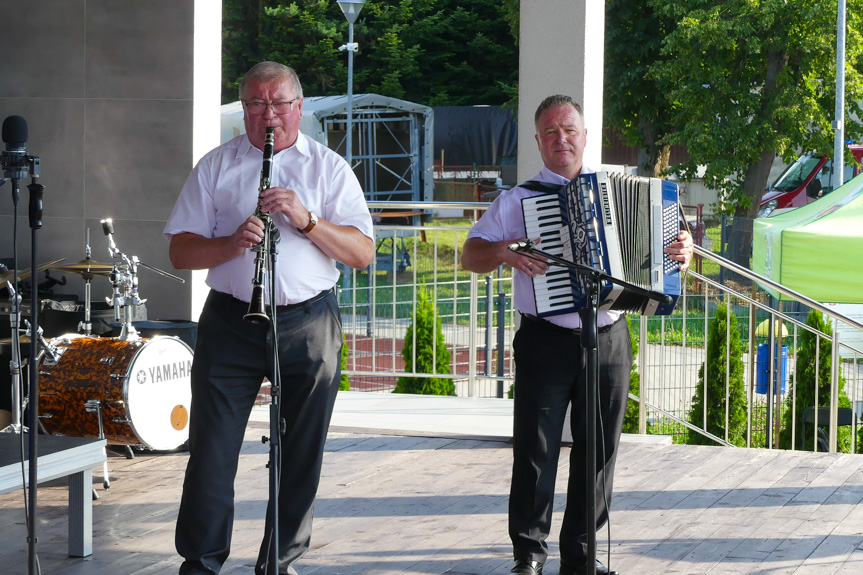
point(762, 363)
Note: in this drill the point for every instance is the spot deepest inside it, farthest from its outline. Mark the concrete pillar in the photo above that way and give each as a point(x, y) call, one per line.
point(561, 47)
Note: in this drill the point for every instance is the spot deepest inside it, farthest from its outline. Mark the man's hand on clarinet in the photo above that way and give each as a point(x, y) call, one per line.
point(248, 234)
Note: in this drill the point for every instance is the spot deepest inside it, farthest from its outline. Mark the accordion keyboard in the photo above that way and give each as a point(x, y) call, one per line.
point(542, 221)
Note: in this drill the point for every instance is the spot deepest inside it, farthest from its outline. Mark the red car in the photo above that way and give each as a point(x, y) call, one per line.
point(804, 181)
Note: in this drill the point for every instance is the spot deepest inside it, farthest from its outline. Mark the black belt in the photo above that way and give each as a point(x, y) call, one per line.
point(228, 298)
point(545, 324)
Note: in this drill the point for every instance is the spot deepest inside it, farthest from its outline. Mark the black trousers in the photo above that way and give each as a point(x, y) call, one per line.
point(232, 357)
point(549, 376)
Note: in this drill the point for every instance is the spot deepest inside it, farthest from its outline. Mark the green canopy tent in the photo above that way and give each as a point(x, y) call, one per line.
point(817, 249)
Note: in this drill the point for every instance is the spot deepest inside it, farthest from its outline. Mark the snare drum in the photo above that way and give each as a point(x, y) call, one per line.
point(143, 389)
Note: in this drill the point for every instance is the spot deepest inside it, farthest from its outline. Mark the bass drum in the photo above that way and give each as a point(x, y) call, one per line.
point(143, 389)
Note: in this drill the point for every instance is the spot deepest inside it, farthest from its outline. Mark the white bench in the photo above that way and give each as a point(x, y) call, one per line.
point(72, 457)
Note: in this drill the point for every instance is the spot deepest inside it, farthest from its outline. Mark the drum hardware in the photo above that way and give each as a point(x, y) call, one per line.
point(124, 281)
point(15, 365)
point(90, 406)
point(47, 348)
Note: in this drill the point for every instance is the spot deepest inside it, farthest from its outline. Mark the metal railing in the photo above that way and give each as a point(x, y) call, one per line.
point(477, 322)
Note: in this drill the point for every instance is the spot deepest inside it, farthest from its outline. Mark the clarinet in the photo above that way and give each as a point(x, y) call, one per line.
point(257, 314)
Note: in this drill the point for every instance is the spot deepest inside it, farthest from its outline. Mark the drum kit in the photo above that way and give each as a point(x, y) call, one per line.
point(128, 390)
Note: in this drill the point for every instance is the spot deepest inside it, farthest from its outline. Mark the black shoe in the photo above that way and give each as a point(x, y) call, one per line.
point(581, 569)
point(525, 567)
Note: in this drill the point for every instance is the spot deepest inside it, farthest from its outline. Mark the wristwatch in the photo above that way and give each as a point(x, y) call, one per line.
point(313, 220)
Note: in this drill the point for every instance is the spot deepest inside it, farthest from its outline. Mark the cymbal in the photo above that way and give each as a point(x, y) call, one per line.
point(24, 274)
point(87, 266)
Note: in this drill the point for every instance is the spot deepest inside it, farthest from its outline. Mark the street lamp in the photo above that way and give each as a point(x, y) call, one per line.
point(351, 9)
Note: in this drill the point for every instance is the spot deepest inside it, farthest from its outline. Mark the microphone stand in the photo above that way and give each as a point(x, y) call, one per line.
point(589, 343)
point(36, 191)
point(277, 424)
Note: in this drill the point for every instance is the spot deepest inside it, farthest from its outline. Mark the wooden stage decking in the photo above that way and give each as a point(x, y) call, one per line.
point(391, 503)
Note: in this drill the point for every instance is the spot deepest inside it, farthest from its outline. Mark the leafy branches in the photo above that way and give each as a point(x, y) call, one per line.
point(433, 52)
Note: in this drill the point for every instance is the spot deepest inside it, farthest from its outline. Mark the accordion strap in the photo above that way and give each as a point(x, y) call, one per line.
point(542, 187)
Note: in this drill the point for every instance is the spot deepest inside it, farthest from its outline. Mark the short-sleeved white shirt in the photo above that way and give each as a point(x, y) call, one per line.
point(504, 220)
point(222, 191)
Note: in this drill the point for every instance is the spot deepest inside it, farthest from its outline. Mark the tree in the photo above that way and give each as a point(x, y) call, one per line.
point(806, 377)
point(242, 23)
point(749, 80)
point(724, 364)
point(635, 100)
point(432, 355)
point(433, 52)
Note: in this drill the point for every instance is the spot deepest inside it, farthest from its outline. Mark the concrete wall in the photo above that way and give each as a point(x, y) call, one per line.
point(560, 52)
point(112, 94)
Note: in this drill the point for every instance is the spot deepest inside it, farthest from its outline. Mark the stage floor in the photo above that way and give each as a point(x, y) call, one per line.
point(395, 502)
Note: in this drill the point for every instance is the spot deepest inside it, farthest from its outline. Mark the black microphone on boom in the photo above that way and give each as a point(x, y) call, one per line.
point(16, 164)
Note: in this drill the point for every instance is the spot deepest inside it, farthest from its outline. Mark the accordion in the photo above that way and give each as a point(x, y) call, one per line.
point(616, 223)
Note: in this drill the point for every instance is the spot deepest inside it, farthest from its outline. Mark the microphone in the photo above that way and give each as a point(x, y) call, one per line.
point(14, 157)
point(522, 246)
point(15, 134)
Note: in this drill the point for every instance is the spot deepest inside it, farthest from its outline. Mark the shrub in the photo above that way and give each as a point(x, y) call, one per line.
point(722, 328)
point(805, 387)
point(432, 354)
point(630, 417)
point(344, 384)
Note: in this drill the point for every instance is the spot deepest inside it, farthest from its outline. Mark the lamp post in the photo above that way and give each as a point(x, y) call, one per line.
point(351, 9)
point(839, 121)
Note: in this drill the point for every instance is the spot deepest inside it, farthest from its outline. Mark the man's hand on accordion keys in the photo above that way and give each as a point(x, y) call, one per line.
point(681, 250)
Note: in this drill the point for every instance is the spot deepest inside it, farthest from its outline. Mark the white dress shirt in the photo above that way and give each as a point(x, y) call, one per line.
point(222, 191)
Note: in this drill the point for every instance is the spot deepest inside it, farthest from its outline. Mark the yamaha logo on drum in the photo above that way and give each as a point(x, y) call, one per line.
point(165, 372)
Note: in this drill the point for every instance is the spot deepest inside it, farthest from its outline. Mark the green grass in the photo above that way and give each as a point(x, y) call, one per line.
point(708, 268)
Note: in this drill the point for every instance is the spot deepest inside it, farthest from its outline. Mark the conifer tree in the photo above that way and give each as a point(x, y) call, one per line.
point(722, 360)
point(432, 354)
point(805, 384)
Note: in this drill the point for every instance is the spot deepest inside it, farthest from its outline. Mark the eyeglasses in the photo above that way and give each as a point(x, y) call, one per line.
point(259, 108)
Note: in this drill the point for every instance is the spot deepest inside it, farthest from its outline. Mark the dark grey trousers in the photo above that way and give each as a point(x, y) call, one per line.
point(549, 376)
point(232, 357)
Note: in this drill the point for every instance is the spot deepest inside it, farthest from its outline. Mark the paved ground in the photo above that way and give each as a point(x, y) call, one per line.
point(425, 501)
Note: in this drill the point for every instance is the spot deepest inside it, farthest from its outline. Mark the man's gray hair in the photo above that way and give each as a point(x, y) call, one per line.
point(556, 100)
point(269, 72)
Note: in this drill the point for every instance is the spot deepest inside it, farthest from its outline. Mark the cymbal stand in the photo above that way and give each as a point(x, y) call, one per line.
point(86, 326)
point(15, 364)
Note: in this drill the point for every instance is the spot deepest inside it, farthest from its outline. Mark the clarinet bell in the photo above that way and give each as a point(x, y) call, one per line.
point(257, 314)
